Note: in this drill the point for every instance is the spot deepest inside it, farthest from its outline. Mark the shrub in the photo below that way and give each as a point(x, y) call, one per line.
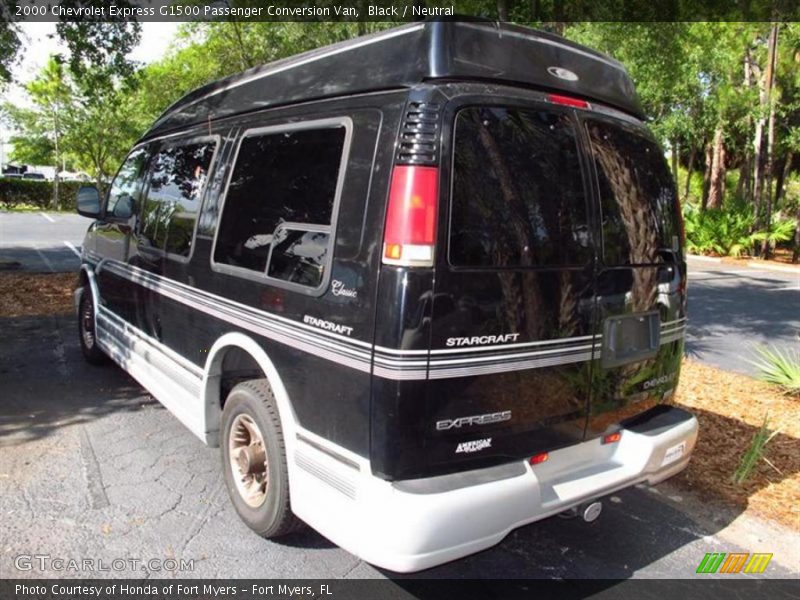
point(17, 192)
point(779, 368)
point(718, 231)
point(728, 231)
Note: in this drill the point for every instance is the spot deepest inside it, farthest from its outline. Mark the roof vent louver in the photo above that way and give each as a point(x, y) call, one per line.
point(419, 135)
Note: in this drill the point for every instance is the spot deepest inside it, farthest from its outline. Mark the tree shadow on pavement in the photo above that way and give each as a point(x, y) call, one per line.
point(45, 384)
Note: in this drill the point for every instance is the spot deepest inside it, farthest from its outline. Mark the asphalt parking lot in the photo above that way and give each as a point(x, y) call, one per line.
point(92, 467)
point(40, 241)
point(735, 309)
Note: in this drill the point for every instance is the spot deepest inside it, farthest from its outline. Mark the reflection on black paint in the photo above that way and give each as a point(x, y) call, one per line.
point(128, 181)
point(177, 177)
point(637, 195)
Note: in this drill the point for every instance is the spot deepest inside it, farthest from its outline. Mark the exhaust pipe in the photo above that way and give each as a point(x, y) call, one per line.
point(588, 511)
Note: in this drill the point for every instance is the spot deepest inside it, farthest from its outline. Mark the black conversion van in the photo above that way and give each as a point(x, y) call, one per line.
point(421, 287)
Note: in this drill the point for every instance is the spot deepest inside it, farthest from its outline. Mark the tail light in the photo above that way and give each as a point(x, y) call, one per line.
point(612, 438)
point(568, 101)
point(539, 458)
point(410, 234)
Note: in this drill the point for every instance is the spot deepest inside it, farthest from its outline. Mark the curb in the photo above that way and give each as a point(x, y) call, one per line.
point(753, 264)
point(786, 269)
point(700, 258)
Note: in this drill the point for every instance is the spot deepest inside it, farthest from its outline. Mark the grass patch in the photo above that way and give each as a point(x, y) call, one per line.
point(755, 452)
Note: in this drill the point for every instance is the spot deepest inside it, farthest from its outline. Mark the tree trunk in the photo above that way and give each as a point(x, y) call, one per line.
point(57, 155)
point(707, 175)
point(716, 188)
point(246, 60)
point(535, 7)
point(783, 173)
point(758, 172)
point(502, 10)
point(689, 168)
point(674, 156)
point(796, 252)
point(770, 84)
point(745, 185)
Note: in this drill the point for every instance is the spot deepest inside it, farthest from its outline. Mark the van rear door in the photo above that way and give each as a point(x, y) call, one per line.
point(512, 327)
point(641, 279)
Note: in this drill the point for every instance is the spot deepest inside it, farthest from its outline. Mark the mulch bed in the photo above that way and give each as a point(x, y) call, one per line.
point(730, 408)
point(30, 294)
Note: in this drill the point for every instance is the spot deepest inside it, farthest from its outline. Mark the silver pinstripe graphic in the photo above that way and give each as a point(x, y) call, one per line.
point(389, 363)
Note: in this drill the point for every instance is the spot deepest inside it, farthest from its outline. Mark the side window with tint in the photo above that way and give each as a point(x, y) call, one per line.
point(518, 198)
point(279, 205)
point(123, 194)
point(176, 180)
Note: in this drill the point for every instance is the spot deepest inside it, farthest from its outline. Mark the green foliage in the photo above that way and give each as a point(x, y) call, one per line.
point(101, 131)
point(779, 368)
point(90, 132)
point(718, 231)
point(728, 231)
point(754, 452)
point(695, 196)
point(777, 232)
point(98, 49)
point(9, 42)
point(16, 192)
point(41, 126)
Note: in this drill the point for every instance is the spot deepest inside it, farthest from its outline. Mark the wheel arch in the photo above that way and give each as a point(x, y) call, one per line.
point(86, 277)
point(212, 380)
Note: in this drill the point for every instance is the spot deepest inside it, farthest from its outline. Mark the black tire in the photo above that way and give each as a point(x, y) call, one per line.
point(86, 330)
point(273, 517)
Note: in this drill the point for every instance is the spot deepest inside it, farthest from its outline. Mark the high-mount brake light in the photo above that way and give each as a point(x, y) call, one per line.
point(568, 101)
point(410, 234)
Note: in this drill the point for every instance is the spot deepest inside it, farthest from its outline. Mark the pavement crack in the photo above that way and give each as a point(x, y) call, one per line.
point(91, 471)
point(205, 516)
point(355, 565)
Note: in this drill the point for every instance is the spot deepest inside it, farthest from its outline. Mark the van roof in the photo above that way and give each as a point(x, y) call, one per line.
point(409, 55)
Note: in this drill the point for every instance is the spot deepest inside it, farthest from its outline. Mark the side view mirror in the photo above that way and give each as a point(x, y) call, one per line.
point(123, 210)
point(89, 201)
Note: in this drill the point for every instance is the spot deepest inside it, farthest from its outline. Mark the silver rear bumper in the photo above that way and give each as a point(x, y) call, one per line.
point(408, 526)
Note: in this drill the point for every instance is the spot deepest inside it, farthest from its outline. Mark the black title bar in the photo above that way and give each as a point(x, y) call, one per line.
point(521, 11)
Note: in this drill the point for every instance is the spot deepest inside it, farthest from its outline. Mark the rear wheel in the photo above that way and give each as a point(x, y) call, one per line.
point(87, 331)
point(254, 460)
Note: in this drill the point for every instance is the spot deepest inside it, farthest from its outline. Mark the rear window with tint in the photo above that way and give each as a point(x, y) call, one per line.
point(640, 222)
point(518, 198)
